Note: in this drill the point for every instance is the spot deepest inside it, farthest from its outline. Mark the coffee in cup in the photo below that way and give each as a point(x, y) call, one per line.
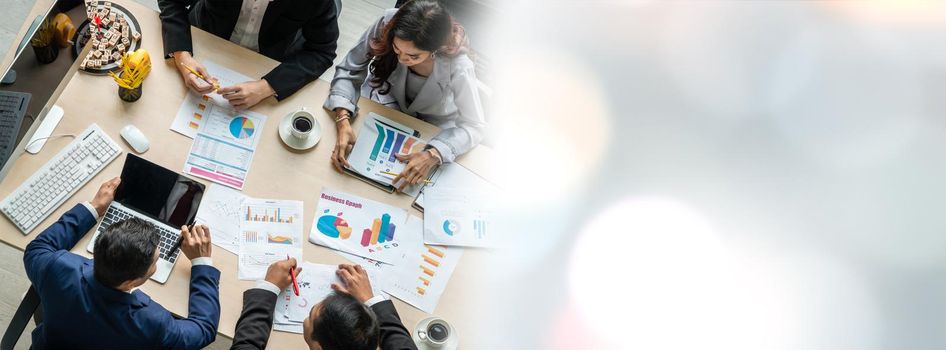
point(301, 124)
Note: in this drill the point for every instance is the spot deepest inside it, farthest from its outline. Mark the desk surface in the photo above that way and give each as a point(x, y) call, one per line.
point(277, 171)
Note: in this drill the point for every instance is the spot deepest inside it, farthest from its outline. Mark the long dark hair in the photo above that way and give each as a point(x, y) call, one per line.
point(425, 23)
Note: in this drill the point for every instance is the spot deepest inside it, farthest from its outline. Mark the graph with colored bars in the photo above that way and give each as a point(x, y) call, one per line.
point(430, 262)
point(271, 238)
point(267, 216)
point(382, 230)
point(198, 115)
point(389, 143)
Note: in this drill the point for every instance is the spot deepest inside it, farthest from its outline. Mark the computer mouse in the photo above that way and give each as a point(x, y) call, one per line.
point(135, 138)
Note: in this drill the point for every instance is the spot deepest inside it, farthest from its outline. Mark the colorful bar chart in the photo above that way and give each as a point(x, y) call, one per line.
point(266, 217)
point(382, 230)
point(431, 260)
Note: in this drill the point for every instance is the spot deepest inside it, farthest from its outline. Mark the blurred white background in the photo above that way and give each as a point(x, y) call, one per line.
point(719, 175)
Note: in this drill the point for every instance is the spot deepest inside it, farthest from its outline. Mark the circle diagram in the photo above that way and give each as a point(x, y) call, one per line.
point(242, 127)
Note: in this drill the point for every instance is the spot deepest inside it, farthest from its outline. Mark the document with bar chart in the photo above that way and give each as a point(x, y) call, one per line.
point(379, 141)
point(420, 273)
point(458, 217)
point(272, 230)
point(357, 225)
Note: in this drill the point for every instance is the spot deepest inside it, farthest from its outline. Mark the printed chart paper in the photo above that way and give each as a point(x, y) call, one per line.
point(224, 147)
point(192, 111)
point(379, 141)
point(220, 210)
point(420, 274)
point(315, 284)
point(272, 231)
point(458, 216)
point(358, 226)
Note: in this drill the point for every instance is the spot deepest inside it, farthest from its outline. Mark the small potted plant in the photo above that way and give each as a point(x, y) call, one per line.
point(135, 66)
point(43, 43)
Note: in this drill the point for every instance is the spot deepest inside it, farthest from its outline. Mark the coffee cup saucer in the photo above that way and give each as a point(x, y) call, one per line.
point(285, 133)
point(453, 341)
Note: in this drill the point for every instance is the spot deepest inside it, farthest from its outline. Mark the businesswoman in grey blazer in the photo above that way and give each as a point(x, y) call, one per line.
point(415, 59)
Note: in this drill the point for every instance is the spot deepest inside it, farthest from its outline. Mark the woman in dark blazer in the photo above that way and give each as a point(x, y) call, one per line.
point(301, 34)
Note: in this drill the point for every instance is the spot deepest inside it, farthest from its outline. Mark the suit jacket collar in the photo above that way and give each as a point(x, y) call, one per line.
point(136, 298)
point(433, 90)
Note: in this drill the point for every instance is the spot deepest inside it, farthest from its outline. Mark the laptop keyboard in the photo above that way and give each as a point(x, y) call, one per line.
point(167, 240)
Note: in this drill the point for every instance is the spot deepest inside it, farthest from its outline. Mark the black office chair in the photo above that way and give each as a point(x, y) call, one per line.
point(29, 308)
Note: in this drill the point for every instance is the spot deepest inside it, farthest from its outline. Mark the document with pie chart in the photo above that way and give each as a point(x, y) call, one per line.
point(224, 146)
point(358, 226)
point(456, 216)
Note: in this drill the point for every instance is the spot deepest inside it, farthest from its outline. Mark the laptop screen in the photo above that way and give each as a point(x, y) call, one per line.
point(159, 193)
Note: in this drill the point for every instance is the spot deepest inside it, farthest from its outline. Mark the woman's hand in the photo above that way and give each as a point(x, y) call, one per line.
point(344, 142)
point(419, 165)
point(248, 94)
point(198, 85)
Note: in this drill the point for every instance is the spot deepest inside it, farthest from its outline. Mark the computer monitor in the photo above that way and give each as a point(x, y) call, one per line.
point(30, 87)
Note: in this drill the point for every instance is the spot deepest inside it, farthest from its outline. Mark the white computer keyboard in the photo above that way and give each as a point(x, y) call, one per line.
point(60, 178)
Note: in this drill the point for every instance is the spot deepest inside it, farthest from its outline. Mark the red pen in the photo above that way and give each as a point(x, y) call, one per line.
point(292, 274)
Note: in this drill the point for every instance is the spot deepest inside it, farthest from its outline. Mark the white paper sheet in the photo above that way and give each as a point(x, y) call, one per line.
point(357, 225)
point(458, 217)
point(315, 284)
point(220, 211)
point(379, 141)
point(420, 274)
point(272, 231)
point(192, 111)
point(455, 175)
point(224, 147)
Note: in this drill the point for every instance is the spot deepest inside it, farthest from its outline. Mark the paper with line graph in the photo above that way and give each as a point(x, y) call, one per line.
point(271, 231)
point(220, 211)
point(357, 225)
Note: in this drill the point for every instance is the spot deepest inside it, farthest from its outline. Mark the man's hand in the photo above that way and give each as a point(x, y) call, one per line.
point(278, 273)
point(196, 243)
point(356, 282)
point(105, 195)
point(192, 82)
point(248, 94)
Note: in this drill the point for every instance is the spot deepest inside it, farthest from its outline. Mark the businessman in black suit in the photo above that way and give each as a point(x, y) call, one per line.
point(301, 34)
point(352, 318)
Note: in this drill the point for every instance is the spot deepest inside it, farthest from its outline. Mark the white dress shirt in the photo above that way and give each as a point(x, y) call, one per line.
point(246, 31)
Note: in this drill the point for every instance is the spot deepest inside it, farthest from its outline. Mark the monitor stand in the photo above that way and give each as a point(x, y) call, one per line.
point(45, 129)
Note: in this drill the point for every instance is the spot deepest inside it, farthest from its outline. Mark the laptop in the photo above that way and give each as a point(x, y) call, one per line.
point(157, 195)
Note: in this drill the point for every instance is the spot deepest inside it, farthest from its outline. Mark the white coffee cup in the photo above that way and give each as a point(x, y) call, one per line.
point(436, 334)
point(301, 124)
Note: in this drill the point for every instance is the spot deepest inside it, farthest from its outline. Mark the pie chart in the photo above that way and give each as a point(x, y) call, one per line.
point(242, 127)
point(333, 226)
point(451, 227)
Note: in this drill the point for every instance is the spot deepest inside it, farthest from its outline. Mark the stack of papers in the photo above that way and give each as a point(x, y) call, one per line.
point(315, 284)
point(259, 231)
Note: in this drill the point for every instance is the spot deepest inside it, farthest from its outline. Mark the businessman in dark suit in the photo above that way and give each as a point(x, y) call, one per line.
point(301, 34)
point(96, 305)
point(352, 318)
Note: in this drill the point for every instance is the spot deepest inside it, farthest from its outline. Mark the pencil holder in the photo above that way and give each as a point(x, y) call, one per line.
point(130, 95)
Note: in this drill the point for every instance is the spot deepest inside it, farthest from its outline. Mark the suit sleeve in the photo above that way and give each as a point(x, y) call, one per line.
point(393, 334)
point(203, 312)
point(61, 236)
point(320, 37)
point(471, 121)
point(175, 26)
point(256, 320)
point(351, 73)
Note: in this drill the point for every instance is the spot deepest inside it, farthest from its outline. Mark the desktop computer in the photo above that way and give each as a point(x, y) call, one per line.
point(31, 84)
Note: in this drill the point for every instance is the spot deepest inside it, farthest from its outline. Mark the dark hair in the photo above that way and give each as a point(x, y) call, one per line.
point(345, 323)
point(125, 251)
point(422, 22)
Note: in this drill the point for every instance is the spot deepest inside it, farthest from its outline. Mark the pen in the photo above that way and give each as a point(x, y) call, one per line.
point(292, 274)
point(180, 238)
point(396, 174)
point(201, 76)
